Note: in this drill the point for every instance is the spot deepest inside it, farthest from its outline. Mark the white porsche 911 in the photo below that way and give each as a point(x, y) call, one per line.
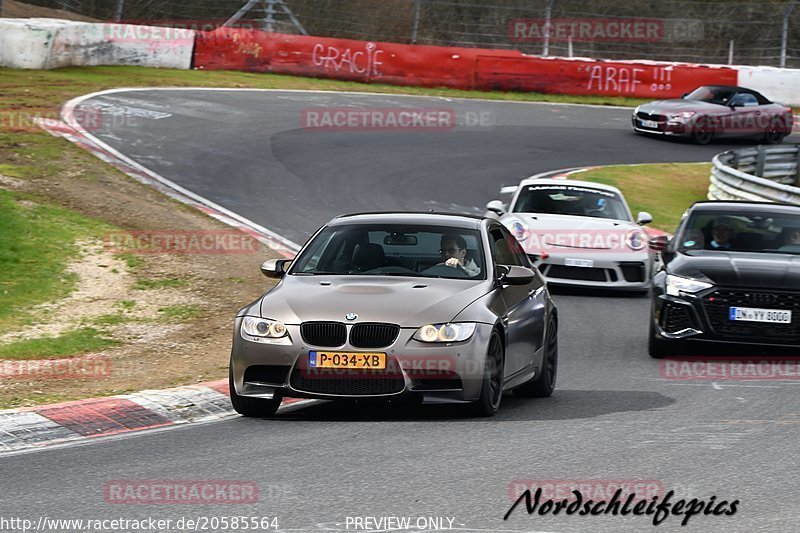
point(579, 233)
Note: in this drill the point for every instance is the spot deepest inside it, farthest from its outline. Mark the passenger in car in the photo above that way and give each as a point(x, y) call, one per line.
point(789, 236)
point(454, 252)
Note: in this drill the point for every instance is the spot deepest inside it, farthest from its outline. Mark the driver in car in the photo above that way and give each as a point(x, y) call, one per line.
point(721, 233)
point(454, 253)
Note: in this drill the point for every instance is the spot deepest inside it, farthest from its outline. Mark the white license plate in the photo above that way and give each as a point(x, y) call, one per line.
point(649, 124)
point(585, 263)
point(751, 314)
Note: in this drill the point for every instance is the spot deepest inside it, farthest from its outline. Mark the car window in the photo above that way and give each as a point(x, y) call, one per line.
point(503, 245)
point(744, 99)
point(713, 95)
point(393, 250)
point(758, 232)
point(571, 200)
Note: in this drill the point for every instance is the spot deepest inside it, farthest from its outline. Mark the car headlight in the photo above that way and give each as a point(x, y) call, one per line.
point(636, 240)
point(519, 229)
point(263, 327)
point(450, 332)
point(686, 115)
point(676, 285)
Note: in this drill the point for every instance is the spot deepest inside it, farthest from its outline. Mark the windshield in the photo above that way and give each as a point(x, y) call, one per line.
point(712, 95)
point(752, 232)
point(393, 250)
point(571, 200)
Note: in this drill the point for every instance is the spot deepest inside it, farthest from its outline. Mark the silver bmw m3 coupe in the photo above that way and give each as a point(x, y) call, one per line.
point(398, 306)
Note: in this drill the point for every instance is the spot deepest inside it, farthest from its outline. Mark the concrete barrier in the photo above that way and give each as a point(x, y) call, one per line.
point(53, 43)
point(439, 66)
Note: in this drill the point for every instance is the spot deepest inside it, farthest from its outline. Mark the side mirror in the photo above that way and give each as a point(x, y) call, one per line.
point(497, 207)
point(659, 244)
point(644, 218)
point(275, 268)
point(514, 275)
point(735, 104)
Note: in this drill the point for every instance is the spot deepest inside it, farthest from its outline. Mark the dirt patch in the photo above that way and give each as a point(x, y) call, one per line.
point(157, 351)
point(19, 10)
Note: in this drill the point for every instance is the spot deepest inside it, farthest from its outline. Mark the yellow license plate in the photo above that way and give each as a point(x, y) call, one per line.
point(370, 360)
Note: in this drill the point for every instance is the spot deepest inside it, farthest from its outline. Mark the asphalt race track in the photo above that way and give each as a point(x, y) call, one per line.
point(613, 417)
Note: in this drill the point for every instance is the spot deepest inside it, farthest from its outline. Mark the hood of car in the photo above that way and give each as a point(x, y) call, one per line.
point(737, 269)
point(407, 301)
point(570, 231)
point(662, 107)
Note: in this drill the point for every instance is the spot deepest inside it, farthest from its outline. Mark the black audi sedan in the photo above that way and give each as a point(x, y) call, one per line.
point(730, 274)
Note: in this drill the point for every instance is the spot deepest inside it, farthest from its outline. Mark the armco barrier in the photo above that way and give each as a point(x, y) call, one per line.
point(760, 174)
point(435, 66)
point(52, 43)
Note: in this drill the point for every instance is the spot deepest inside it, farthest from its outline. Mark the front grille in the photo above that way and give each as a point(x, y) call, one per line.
point(676, 318)
point(632, 272)
point(266, 373)
point(577, 273)
point(373, 335)
point(718, 303)
point(647, 116)
point(331, 334)
point(348, 382)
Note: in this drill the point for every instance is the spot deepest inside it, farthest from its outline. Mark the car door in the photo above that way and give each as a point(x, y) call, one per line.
point(524, 311)
point(745, 116)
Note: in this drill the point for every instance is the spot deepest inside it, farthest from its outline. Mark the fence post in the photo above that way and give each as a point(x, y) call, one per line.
point(785, 31)
point(761, 159)
point(548, 11)
point(415, 29)
point(117, 13)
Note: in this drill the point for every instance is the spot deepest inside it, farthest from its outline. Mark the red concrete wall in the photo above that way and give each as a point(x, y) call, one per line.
point(438, 66)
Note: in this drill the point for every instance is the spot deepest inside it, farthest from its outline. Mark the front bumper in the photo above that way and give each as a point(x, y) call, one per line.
point(702, 317)
point(610, 271)
point(663, 127)
point(452, 371)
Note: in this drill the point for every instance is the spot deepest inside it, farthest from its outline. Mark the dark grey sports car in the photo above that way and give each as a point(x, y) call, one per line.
point(731, 274)
point(398, 306)
point(714, 111)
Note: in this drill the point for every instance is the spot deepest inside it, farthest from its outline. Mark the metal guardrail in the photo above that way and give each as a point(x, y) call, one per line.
point(759, 174)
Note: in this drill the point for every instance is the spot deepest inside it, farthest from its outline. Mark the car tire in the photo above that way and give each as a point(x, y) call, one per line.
point(657, 348)
point(702, 131)
point(774, 135)
point(544, 385)
point(492, 384)
point(251, 407)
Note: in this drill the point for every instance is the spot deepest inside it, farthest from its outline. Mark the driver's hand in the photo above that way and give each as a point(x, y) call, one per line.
point(453, 262)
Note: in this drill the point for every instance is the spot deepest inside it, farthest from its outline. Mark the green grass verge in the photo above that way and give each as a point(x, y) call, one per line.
point(74, 342)
point(663, 190)
point(37, 242)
